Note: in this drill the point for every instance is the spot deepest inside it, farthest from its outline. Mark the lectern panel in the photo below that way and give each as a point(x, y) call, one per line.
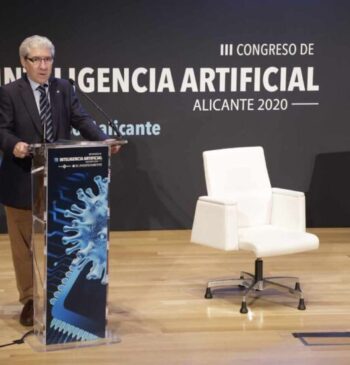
point(70, 244)
point(77, 237)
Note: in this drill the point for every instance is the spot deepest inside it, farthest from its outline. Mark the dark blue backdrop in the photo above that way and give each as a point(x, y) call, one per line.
point(157, 178)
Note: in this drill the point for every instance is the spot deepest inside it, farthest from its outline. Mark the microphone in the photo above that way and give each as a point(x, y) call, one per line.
point(109, 119)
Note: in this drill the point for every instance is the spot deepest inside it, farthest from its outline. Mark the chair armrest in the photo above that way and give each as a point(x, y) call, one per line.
point(287, 192)
point(217, 200)
point(215, 223)
point(288, 209)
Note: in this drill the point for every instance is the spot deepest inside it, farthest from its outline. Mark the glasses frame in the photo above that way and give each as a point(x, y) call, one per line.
point(37, 60)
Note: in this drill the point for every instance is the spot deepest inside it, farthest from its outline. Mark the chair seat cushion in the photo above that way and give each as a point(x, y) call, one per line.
point(270, 240)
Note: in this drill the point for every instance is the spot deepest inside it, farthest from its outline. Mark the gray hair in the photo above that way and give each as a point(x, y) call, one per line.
point(35, 41)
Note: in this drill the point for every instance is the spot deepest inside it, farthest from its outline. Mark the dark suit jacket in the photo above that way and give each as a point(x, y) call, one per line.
point(20, 121)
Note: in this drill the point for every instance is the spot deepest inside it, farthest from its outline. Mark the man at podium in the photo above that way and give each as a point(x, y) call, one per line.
point(38, 108)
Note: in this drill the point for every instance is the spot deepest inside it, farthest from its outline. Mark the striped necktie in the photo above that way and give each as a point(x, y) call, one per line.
point(45, 113)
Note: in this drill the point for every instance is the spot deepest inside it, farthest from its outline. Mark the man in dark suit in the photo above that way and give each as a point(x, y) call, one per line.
point(33, 109)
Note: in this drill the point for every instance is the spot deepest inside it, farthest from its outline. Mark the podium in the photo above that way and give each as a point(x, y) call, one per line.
point(70, 202)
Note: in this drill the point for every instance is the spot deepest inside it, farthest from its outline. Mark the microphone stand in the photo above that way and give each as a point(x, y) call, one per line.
point(109, 119)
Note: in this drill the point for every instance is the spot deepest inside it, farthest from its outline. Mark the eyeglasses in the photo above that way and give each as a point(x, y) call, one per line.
point(36, 61)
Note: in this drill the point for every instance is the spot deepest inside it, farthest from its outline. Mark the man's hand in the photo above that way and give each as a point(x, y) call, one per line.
point(21, 149)
point(114, 147)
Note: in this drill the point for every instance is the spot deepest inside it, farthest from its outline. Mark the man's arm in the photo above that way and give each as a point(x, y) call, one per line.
point(82, 121)
point(8, 139)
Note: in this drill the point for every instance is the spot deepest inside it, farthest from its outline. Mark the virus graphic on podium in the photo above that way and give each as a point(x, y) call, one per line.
point(86, 240)
point(90, 226)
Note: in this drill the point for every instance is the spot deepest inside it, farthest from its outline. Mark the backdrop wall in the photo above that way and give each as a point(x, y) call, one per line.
point(187, 76)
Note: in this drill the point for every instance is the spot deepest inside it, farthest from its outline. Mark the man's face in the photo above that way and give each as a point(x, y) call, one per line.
point(38, 64)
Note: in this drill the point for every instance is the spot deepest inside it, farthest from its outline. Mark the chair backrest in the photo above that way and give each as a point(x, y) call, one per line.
point(240, 174)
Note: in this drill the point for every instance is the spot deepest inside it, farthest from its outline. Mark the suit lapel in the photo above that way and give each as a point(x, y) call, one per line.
point(27, 96)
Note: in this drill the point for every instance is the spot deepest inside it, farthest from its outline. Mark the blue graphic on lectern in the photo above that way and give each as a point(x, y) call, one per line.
point(90, 226)
point(77, 274)
point(89, 245)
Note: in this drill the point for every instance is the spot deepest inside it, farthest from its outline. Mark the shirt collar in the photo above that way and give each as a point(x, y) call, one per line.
point(34, 85)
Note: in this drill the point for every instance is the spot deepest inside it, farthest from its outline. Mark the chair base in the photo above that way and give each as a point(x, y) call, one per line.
point(249, 282)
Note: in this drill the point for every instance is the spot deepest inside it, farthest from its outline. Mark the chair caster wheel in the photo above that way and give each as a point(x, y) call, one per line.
point(301, 305)
point(208, 294)
point(244, 308)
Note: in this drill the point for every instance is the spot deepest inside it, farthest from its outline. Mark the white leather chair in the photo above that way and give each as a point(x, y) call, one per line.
point(243, 212)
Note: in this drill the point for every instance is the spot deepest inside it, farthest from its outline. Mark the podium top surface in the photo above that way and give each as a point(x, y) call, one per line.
point(74, 143)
